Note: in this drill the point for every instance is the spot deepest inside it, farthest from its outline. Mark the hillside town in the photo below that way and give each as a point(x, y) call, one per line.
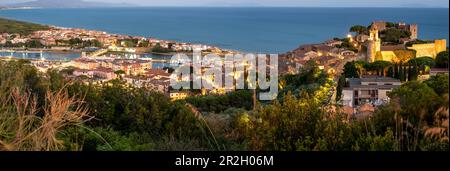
point(381, 43)
point(364, 86)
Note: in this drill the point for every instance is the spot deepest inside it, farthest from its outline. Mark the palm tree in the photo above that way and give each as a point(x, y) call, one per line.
point(119, 73)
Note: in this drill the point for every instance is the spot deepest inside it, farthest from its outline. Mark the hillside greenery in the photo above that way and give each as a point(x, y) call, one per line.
point(19, 27)
point(49, 112)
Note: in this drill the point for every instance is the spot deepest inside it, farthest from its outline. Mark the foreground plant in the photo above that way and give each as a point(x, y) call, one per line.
point(26, 127)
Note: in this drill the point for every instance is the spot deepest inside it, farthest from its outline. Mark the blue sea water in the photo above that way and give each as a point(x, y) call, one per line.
point(70, 56)
point(46, 55)
point(268, 30)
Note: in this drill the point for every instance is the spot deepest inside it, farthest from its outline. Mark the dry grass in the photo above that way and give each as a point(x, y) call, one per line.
point(440, 129)
point(22, 130)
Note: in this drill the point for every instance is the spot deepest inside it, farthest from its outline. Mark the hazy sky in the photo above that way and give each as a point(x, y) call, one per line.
point(307, 3)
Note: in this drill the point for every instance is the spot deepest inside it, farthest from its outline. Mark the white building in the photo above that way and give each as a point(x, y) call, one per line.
point(368, 90)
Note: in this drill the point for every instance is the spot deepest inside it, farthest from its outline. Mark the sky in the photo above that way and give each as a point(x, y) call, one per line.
point(289, 3)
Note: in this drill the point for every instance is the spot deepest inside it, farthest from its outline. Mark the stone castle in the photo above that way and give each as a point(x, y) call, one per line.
point(376, 51)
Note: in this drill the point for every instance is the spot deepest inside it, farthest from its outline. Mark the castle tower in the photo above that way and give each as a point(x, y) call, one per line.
point(413, 28)
point(373, 44)
point(440, 45)
point(374, 33)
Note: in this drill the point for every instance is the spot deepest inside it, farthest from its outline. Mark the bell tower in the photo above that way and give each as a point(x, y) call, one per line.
point(373, 44)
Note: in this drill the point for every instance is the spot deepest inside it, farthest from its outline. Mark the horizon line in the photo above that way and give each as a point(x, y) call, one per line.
point(242, 6)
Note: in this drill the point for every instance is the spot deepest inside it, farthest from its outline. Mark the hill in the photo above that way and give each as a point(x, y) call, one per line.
point(23, 28)
point(67, 4)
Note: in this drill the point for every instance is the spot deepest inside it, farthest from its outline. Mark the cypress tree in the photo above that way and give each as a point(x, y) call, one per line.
point(410, 75)
point(340, 87)
point(401, 74)
point(396, 75)
point(405, 72)
point(390, 72)
point(415, 73)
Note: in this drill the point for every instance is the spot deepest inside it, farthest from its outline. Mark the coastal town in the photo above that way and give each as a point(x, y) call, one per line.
point(105, 57)
point(87, 75)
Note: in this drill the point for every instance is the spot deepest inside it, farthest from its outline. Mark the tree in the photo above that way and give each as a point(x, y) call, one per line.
point(34, 44)
point(442, 60)
point(404, 55)
point(405, 72)
point(410, 74)
point(415, 104)
point(415, 73)
point(401, 73)
point(340, 87)
point(390, 24)
point(119, 73)
point(396, 71)
point(423, 61)
point(439, 83)
point(144, 44)
point(390, 72)
point(159, 49)
point(355, 69)
point(394, 35)
point(378, 66)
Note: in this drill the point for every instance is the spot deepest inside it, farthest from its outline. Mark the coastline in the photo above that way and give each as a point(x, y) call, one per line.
point(241, 37)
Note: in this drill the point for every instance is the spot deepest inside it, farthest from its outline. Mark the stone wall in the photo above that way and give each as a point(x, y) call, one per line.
point(430, 49)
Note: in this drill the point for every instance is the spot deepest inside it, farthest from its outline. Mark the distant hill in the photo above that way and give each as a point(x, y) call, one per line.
point(67, 4)
point(23, 28)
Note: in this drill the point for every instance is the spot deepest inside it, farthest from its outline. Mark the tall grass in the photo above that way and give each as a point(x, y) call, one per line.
point(21, 129)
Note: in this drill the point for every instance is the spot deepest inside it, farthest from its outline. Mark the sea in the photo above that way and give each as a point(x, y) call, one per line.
point(248, 29)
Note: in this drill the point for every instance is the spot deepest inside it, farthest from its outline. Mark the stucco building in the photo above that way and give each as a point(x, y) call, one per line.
point(368, 90)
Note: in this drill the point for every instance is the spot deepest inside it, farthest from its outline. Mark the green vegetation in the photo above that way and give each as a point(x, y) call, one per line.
point(442, 59)
point(340, 87)
point(216, 103)
point(390, 24)
point(78, 43)
point(159, 49)
point(19, 27)
point(311, 80)
point(359, 29)
point(404, 72)
point(347, 45)
point(394, 35)
point(70, 115)
point(439, 83)
point(422, 64)
point(28, 44)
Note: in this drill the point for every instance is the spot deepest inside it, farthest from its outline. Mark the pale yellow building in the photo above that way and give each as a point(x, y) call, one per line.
point(430, 49)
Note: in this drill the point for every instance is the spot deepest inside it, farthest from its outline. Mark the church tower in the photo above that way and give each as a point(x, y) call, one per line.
point(373, 44)
point(413, 29)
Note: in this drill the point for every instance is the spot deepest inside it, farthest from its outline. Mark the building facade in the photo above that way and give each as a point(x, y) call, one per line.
point(368, 90)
